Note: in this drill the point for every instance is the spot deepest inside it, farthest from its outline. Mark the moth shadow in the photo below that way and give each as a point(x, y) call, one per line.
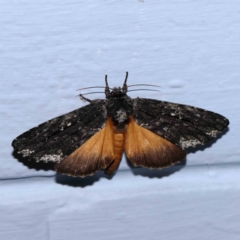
point(156, 173)
point(209, 144)
point(78, 181)
point(33, 164)
point(59, 178)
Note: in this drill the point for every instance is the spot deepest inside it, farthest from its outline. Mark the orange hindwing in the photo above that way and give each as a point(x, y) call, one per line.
point(146, 149)
point(95, 154)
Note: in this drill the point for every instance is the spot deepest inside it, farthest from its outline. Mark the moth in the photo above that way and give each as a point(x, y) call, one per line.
point(153, 134)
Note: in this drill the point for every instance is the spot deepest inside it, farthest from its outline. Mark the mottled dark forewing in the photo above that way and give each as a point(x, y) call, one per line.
point(183, 125)
point(57, 138)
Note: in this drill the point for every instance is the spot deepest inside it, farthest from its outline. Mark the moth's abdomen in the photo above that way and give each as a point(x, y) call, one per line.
point(118, 143)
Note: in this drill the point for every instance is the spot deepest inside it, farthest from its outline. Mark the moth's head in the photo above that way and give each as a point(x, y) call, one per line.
point(116, 91)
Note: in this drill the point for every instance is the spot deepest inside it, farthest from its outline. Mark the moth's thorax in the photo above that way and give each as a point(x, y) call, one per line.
point(120, 127)
point(119, 109)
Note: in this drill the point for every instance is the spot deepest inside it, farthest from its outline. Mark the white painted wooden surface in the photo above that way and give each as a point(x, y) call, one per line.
point(51, 48)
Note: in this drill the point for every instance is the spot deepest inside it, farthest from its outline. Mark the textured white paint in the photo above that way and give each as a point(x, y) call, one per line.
point(51, 48)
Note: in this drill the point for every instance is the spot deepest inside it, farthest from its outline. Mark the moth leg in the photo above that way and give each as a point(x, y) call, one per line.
point(84, 98)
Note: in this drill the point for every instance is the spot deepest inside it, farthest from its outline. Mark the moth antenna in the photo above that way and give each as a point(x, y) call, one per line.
point(84, 98)
point(144, 85)
point(154, 90)
point(125, 87)
point(90, 87)
point(89, 93)
point(107, 91)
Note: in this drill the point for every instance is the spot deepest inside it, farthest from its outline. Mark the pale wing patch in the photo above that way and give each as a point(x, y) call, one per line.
point(95, 154)
point(145, 148)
